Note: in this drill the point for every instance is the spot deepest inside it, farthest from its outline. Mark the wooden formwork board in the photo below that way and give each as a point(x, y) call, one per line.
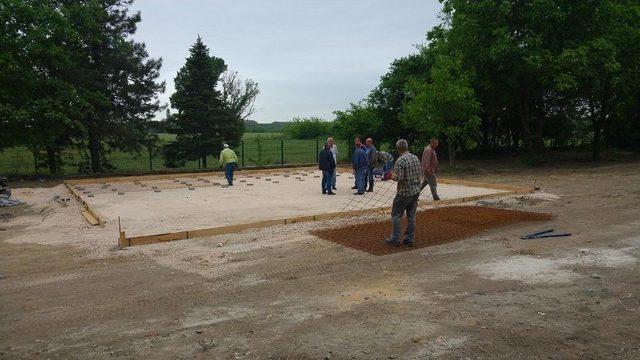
point(221, 230)
point(91, 213)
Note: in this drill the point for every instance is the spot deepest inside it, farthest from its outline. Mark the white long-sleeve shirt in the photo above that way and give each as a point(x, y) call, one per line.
point(334, 151)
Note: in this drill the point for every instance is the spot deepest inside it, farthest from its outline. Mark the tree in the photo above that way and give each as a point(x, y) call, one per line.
point(546, 73)
point(600, 71)
point(388, 97)
point(207, 117)
point(444, 106)
point(116, 79)
point(307, 128)
point(39, 106)
point(239, 96)
point(360, 119)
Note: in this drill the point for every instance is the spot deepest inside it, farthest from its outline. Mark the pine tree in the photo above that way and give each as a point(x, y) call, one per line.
point(203, 121)
point(115, 76)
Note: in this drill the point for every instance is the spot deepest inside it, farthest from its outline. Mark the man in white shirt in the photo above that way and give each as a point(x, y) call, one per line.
point(334, 150)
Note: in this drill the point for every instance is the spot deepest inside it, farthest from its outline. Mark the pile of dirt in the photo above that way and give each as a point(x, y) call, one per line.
point(433, 227)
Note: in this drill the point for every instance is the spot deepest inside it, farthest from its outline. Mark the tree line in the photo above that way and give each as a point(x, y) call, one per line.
point(72, 77)
point(512, 74)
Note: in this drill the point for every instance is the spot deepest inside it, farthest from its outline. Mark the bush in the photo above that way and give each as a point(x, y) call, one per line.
point(307, 128)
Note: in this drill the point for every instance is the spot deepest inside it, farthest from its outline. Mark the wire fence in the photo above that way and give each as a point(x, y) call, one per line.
point(255, 152)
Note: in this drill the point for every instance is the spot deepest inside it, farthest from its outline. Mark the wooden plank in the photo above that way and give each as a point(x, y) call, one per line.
point(158, 238)
point(92, 220)
point(299, 219)
point(85, 205)
point(229, 229)
point(123, 242)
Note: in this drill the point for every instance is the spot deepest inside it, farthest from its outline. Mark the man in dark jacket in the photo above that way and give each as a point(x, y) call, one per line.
point(327, 164)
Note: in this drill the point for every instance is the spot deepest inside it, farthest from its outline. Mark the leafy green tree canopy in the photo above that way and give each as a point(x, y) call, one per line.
point(307, 128)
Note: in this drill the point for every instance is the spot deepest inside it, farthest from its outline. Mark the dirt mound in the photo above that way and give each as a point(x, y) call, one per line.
point(433, 227)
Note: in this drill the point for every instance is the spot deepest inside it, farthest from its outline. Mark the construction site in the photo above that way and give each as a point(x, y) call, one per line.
point(151, 209)
point(413, 179)
point(184, 266)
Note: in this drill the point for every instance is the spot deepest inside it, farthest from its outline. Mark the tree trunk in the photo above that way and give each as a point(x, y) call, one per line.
point(524, 107)
point(94, 150)
point(524, 123)
point(452, 155)
point(52, 162)
point(486, 133)
point(204, 161)
point(597, 130)
point(538, 143)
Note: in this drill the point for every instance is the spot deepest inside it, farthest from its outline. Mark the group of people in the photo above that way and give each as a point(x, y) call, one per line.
point(411, 174)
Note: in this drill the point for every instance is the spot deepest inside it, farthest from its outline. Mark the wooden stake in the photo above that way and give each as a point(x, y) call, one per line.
point(123, 242)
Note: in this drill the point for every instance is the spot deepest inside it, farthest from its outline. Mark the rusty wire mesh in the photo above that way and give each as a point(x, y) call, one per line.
point(433, 227)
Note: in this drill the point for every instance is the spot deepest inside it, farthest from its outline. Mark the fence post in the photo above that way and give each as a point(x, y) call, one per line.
point(242, 151)
point(150, 160)
point(281, 152)
point(317, 150)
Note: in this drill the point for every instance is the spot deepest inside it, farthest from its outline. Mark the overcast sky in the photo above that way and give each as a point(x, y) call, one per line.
point(308, 57)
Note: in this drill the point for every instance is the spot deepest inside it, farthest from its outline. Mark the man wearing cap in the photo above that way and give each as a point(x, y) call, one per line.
point(229, 160)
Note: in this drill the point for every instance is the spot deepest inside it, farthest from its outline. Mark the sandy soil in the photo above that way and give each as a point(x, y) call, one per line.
point(275, 196)
point(279, 292)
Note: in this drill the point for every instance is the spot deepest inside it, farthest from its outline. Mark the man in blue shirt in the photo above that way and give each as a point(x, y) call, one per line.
point(360, 163)
point(371, 152)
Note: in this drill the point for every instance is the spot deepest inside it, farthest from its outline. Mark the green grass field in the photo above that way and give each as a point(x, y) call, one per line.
point(259, 149)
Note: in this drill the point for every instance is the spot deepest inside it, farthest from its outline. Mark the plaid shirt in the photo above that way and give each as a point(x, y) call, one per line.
point(407, 170)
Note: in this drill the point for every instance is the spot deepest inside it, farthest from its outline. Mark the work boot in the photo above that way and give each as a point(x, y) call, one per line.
point(331, 193)
point(354, 187)
point(408, 243)
point(392, 242)
point(358, 193)
point(324, 192)
point(335, 188)
point(370, 190)
point(436, 198)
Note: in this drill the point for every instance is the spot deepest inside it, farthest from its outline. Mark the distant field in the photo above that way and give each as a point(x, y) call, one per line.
point(246, 136)
point(260, 149)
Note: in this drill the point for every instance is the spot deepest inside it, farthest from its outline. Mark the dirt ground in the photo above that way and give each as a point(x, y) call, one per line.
point(280, 292)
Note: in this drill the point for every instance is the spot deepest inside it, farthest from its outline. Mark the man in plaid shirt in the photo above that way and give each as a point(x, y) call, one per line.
point(406, 172)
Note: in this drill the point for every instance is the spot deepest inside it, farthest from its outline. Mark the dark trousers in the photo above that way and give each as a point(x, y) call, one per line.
point(327, 179)
point(369, 177)
point(228, 171)
point(433, 185)
point(361, 175)
point(402, 204)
